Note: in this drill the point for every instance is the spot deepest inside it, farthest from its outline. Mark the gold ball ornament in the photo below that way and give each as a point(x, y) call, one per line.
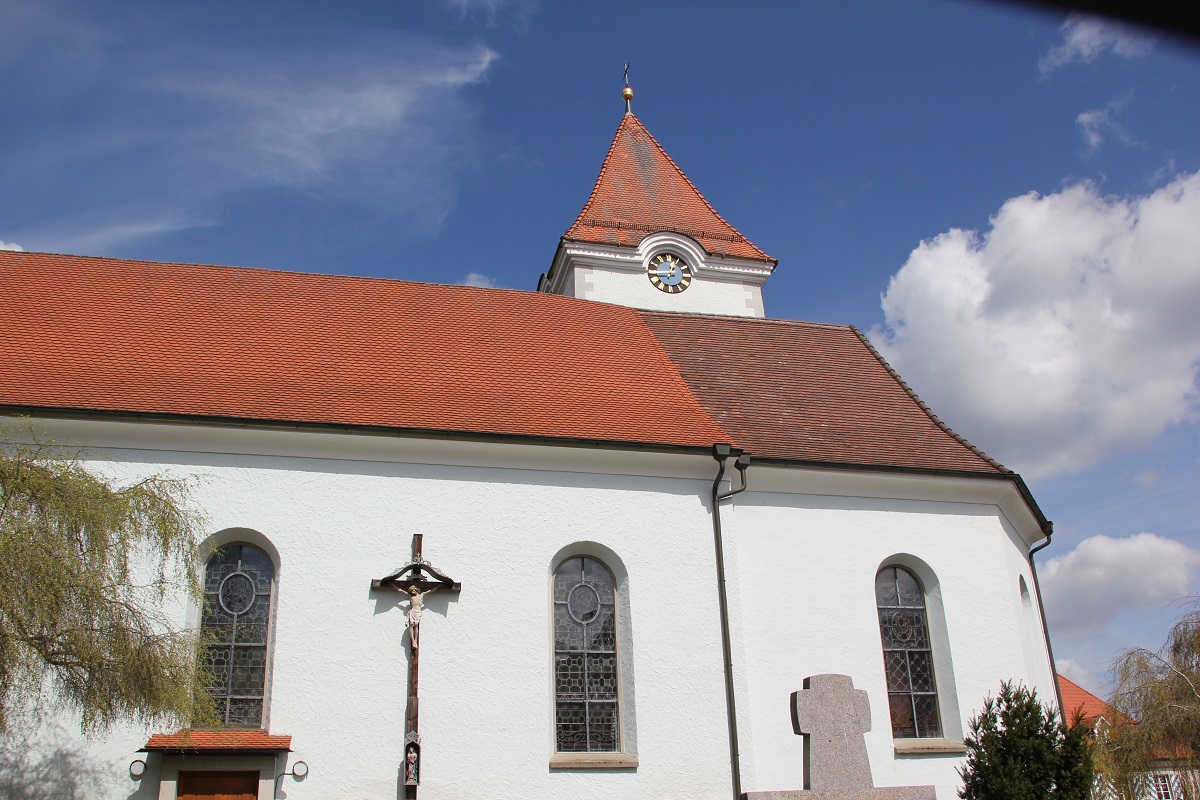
point(627, 93)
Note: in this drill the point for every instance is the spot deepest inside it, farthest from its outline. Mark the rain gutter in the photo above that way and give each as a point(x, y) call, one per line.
point(722, 452)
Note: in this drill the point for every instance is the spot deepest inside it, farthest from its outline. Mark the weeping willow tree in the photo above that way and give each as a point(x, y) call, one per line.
point(1157, 692)
point(87, 568)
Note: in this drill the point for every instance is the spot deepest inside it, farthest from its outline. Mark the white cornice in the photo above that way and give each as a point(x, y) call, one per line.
point(571, 255)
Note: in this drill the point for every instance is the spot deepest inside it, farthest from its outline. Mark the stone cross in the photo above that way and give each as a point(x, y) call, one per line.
point(833, 716)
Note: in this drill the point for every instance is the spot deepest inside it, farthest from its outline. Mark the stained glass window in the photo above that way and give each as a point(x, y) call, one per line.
point(237, 614)
point(907, 656)
point(586, 708)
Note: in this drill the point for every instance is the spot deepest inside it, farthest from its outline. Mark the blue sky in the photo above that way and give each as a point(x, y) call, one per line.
point(1005, 199)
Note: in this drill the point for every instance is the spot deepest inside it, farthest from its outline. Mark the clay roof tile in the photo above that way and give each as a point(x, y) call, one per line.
point(228, 740)
point(641, 190)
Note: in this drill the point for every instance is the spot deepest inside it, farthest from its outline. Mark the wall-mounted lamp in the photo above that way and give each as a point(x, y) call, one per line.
point(299, 772)
point(137, 769)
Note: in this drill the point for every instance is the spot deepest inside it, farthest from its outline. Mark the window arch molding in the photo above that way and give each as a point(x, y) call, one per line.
point(626, 756)
point(939, 639)
point(209, 549)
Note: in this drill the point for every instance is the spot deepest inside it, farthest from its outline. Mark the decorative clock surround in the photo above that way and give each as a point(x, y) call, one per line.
point(630, 276)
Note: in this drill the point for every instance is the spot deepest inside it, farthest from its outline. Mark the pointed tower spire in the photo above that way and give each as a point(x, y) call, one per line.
point(647, 238)
point(641, 190)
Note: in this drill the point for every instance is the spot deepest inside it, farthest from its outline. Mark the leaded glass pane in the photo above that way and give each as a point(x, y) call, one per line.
point(903, 629)
point(903, 725)
point(602, 727)
point(885, 588)
point(567, 635)
point(896, 665)
point(216, 661)
point(907, 657)
point(568, 676)
point(585, 657)
point(236, 616)
point(920, 671)
point(604, 633)
point(245, 712)
point(251, 627)
point(926, 714)
point(570, 724)
point(602, 677)
point(249, 670)
point(910, 592)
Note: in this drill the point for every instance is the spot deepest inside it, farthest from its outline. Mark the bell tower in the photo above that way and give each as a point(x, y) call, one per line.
point(647, 238)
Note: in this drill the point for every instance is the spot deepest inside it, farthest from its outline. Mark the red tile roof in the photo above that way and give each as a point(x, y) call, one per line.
point(100, 334)
point(225, 740)
point(115, 335)
point(1075, 698)
point(640, 190)
point(809, 392)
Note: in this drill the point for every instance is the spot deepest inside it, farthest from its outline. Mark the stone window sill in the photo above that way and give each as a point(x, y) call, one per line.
point(929, 747)
point(593, 761)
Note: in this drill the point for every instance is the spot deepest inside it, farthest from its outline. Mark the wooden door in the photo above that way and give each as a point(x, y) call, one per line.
point(218, 786)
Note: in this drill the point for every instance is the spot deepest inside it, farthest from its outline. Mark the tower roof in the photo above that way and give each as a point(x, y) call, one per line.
point(641, 190)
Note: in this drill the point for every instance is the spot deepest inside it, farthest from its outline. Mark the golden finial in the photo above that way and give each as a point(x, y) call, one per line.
point(627, 93)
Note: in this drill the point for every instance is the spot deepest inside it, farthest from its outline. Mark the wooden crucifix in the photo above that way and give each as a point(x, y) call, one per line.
point(413, 581)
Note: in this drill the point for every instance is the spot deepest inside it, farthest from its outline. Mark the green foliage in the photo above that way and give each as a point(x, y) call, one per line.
point(1156, 712)
point(1019, 750)
point(86, 568)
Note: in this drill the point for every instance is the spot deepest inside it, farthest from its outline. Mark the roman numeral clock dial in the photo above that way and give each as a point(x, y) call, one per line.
point(669, 273)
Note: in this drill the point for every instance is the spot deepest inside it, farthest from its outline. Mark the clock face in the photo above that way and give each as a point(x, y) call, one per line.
point(669, 273)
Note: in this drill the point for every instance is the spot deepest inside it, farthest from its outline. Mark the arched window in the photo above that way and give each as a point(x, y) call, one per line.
point(907, 654)
point(586, 681)
point(238, 584)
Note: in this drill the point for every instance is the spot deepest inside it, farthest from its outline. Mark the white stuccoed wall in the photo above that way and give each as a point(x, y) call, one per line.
point(806, 566)
point(341, 509)
point(614, 274)
point(705, 295)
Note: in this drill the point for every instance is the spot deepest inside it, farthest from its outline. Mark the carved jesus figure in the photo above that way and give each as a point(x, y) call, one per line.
point(416, 599)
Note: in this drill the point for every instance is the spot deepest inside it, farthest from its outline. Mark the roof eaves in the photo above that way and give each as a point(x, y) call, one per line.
point(165, 418)
point(1046, 526)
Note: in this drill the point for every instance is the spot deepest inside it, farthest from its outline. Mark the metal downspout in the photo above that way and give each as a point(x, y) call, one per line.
point(721, 452)
point(1037, 588)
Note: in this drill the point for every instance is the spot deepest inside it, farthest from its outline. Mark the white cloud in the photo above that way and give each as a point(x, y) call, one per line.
point(1086, 38)
point(375, 117)
point(338, 124)
point(100, 231)
point(1080, 675)
point(1096, 123)
point(1065, 334)
point(11, 246)
point(1104, 578)
point(478, 279)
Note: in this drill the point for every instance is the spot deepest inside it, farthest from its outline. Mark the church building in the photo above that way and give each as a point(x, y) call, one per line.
point(617, 565)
